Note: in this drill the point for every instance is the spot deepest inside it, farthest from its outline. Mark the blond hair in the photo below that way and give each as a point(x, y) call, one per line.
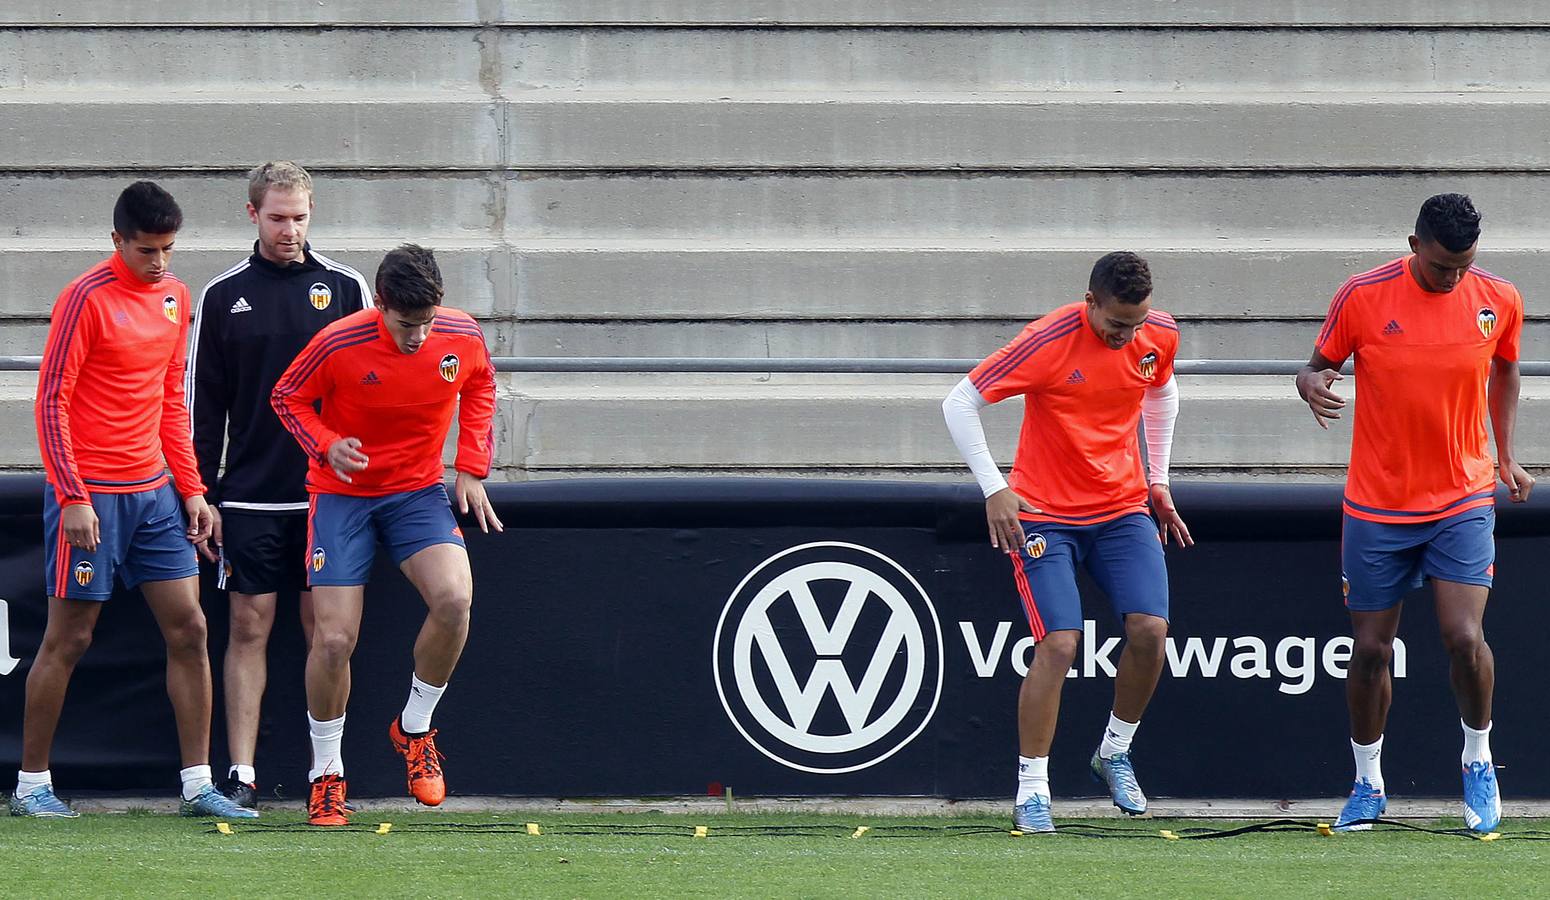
point(282, 174)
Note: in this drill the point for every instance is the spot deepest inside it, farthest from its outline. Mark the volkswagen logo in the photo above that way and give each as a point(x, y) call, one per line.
point(828, 658)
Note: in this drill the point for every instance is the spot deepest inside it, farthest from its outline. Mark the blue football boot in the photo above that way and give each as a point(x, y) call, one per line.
point(1366, 802)
point(1482, 802)
point(40, 803)
point(211, 802)
point(1032, 816)
point(1119, 774)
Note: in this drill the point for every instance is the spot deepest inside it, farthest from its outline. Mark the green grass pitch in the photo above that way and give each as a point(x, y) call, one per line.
point(763, 855)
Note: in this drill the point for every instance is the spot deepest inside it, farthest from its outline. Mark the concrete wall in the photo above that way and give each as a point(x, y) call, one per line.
point(798, 178)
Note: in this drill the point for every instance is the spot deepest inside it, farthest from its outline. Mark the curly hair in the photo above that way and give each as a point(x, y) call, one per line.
point(1123, 276)
point(1450, 220)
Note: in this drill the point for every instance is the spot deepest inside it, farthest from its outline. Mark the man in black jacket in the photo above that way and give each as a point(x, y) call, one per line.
point(250, 322)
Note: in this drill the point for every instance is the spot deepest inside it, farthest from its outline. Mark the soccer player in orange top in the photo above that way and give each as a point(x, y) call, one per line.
point(1436, 347)
point(388, 380)
point(1090, 371)
point(111, 421)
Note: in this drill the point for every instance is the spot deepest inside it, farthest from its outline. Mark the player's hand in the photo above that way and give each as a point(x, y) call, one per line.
point(82, 528)
point(471, 496)
point(1313, 386)
point(200, 519)
point(1519, 483)
point(211, 549)
point(1006, 530)
point(345, 456)
point(1168, 519)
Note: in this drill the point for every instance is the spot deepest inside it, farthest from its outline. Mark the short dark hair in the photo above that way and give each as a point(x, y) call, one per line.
point(146, 208)
point(1450, 220)
point(1121, 275)
point(408, 280)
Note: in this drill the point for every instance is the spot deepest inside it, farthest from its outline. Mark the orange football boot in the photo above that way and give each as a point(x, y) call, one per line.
point(326, 806)
point(424, 761)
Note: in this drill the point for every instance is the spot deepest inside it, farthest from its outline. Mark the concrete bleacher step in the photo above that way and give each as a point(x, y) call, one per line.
point(901, 131)
point(864, 13)
point(810, 424)
point(1179, 59)
point(1292, 209)
point(1070, 131)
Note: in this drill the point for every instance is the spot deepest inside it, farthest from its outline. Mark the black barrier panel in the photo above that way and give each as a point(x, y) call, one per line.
point(670, 636)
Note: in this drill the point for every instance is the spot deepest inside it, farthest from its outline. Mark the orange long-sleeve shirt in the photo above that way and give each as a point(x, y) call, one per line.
point(1078, 459)
point(109, 410)
point(399, 405)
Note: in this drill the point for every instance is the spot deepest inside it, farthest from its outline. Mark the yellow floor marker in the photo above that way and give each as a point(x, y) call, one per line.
point(1489, 837)
point(859, 832)
point(701, 831)
point(384, 828)
point(1168, 835)
point(1015, 833)
point(532, 828)
point(1325, 830)
point(223, 828)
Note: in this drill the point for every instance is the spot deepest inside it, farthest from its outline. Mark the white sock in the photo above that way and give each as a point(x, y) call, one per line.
point(1369, 762)
point(416, 717)
point(1032, 778)
point(1477, 744)
point(27, 782)
point(1116, 737)
point(195, 779)
point(326, 738)
point(244, 774)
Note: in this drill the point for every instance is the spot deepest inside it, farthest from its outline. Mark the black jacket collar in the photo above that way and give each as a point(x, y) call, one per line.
point(308, 263)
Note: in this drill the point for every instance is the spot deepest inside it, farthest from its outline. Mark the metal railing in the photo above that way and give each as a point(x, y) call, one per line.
point(817, 365)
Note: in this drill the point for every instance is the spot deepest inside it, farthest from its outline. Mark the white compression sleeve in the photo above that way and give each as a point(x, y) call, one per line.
point(961, 409)
point(1159, 410)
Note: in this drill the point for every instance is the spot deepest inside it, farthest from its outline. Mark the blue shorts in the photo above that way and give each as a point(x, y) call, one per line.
point(343, 531)
point(1124, 556)
point(144, 538)
point(1381, 562)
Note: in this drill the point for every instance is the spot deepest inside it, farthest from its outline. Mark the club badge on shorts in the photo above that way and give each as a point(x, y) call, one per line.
point(318, 559)
point(1035, 546)
point(84, 573)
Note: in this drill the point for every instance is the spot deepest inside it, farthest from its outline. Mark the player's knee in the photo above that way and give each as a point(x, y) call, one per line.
point(1370, 655)
point(1463, 644)
point(186, 638)
point(1146, 634)
point(66, 645)
point(450, 605)
point(249, 628)
point(334, 646)
point(1058, 648)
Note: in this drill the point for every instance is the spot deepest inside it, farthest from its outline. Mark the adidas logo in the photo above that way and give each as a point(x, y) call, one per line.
point(371, 378)
point(1393, 328)
point(1076, 377)
point(241, 305)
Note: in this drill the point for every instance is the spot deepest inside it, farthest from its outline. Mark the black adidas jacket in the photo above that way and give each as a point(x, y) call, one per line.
point(250, 322)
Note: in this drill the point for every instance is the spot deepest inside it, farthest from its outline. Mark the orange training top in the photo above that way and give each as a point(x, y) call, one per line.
point(1418, 449)
point(1078, 458)
point(399, 405)
point(109, 408)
